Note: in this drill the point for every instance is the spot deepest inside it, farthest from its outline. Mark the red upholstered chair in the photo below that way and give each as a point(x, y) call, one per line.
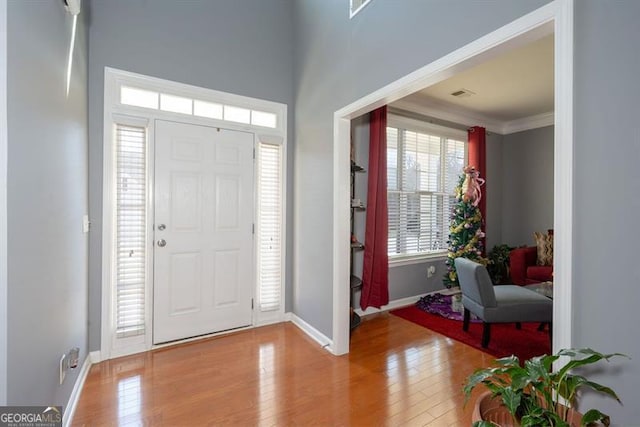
point(523, 268)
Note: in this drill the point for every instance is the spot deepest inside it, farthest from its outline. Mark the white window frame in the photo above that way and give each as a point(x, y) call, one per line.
point(405, 123)
point(116, 112)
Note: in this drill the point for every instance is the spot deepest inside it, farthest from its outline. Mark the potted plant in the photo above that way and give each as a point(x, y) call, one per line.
point(498, 265)
point(533, 395)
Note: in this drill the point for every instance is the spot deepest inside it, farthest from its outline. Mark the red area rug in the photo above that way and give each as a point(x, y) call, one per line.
point(505, 338)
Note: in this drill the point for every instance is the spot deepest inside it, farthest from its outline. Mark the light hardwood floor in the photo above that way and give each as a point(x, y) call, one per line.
point(397, 373)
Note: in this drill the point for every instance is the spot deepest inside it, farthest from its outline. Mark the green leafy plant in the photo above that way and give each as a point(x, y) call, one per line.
point(498, 265)
point(535, 395)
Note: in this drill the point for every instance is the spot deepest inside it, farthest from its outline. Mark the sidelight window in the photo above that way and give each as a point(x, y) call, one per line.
point(130, 229)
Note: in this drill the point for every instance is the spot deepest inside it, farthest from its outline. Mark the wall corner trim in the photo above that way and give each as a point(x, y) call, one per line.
point(563, 177)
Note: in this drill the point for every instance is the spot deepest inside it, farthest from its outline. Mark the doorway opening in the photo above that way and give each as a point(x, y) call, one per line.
point(554, 18)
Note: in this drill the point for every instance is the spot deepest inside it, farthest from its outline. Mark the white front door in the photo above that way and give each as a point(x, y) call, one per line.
point(203, 230)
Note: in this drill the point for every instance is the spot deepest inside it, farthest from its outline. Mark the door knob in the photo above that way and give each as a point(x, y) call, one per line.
point(162, 243)
point(161, 227)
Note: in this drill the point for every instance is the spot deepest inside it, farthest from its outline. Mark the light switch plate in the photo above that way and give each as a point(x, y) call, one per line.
point(86, 224)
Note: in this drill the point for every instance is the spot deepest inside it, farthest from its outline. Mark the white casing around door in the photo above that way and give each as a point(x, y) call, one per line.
point(203, 236)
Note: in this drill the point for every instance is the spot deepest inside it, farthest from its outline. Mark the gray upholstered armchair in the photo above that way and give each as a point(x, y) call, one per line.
point(498, 304)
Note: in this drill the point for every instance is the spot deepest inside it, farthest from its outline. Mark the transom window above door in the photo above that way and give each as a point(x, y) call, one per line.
point(154, 100)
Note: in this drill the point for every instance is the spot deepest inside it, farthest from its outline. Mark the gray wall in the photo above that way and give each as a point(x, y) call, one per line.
point(606, 291)
point(527, 185)
point(337, 61)
point(47, 196)
point(3, 203)
point(241, 46)
point(493, 190)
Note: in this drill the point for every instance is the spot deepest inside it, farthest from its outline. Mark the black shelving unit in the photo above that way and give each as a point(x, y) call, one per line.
point(355, 282)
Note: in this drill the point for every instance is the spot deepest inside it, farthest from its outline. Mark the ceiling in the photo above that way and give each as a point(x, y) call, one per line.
point(515, 86)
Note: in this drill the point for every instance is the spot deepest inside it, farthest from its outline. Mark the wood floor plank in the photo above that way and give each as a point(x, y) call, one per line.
point(397, 373)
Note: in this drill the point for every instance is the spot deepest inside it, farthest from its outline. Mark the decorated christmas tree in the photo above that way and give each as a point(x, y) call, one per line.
point(465, 233)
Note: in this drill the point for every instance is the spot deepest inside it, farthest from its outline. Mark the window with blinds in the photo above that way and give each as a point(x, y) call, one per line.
point(422, 172)
point(130, 230)
point(269, 226)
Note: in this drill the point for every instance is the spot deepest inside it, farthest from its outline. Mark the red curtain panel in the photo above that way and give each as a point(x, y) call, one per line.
point(375, 275)
point(478, 158)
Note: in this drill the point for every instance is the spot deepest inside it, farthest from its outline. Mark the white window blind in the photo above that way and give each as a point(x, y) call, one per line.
point(130, 230)
point(422, 172)
point(270, 226)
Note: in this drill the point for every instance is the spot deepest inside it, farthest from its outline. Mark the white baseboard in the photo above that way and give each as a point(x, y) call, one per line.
point(402, 302)
point(279, 318)
point(77, 390)
point(95, 356)
point(327, 343)
point(391, 306)
point(312, 332)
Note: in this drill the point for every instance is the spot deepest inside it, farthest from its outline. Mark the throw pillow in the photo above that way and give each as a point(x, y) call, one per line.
point(544, 243)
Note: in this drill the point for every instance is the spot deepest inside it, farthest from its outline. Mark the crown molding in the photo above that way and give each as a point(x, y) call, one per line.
point(443, 111)
point(527, 123)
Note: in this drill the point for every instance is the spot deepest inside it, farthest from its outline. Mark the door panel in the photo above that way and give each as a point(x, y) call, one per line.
point(186, 203)
point(227, 203)
point(226, 274)
point(204, 196)
point(185, 268)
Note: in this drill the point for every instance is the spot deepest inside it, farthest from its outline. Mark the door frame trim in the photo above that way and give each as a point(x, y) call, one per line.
point(113, 109)
point(555, 17)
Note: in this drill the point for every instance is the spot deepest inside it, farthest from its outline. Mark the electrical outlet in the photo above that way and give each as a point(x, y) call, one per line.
point(431, 271)
point(74, 355)
point(63, 367)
